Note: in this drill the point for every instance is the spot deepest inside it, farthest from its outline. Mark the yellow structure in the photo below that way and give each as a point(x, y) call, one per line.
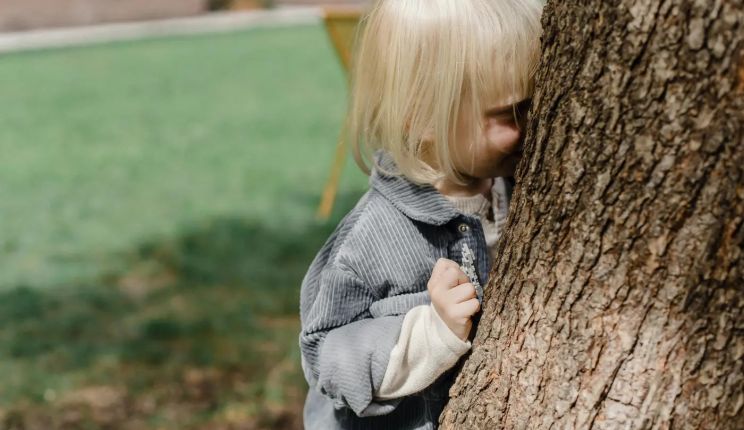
point(341, 24)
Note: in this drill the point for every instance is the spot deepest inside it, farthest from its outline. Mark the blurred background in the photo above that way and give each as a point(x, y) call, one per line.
point(158, 196)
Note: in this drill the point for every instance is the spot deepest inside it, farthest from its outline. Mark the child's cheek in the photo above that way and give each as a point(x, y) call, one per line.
point(502, 136)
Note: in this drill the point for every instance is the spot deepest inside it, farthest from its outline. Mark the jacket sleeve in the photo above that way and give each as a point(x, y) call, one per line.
point(345, 351)
point(426, 348)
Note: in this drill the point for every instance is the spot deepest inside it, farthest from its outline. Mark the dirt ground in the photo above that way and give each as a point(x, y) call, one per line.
point(20, 15)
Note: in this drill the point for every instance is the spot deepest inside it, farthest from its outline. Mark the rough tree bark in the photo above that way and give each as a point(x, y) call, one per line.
point(616, 296)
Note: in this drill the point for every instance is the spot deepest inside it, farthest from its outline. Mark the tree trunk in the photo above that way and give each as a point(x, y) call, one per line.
point(616, 295)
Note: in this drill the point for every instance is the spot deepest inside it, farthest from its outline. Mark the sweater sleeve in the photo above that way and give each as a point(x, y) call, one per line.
point(344, 350)
point(426, 348)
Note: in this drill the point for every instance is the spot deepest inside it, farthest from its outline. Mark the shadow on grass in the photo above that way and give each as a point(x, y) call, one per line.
point(200, 332)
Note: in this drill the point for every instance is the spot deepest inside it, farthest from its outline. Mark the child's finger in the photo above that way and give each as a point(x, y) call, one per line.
point(453, 268)
point(462, 293)
point(462, 278)
point(442, 265)
point(454, 277)
point(449, 278)
point(446, 275)
point(466, 309)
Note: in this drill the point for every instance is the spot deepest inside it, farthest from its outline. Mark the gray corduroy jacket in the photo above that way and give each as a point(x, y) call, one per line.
point(371, 271)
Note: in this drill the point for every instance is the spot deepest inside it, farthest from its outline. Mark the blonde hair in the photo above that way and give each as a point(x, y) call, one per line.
point(420, 63)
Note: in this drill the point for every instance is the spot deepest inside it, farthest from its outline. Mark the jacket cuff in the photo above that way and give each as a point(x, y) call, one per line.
point(353, 360)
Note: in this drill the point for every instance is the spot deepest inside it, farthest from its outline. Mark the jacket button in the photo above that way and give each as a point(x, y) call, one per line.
point(464, 228)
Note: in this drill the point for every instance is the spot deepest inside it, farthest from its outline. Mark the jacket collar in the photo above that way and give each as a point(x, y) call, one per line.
point(419, 202)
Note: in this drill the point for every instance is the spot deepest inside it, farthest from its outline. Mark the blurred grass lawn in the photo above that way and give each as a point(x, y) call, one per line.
point(156, 219)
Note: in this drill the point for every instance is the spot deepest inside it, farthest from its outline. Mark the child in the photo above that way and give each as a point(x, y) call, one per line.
point(387, 304)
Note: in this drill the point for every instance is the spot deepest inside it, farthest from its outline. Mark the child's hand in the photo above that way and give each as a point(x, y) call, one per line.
point(453, 296)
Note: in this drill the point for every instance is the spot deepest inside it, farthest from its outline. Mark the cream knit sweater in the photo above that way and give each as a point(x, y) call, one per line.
point(426, 347)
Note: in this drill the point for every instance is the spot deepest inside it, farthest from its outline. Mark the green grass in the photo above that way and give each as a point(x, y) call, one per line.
point(156, 219)
point(104, 147)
